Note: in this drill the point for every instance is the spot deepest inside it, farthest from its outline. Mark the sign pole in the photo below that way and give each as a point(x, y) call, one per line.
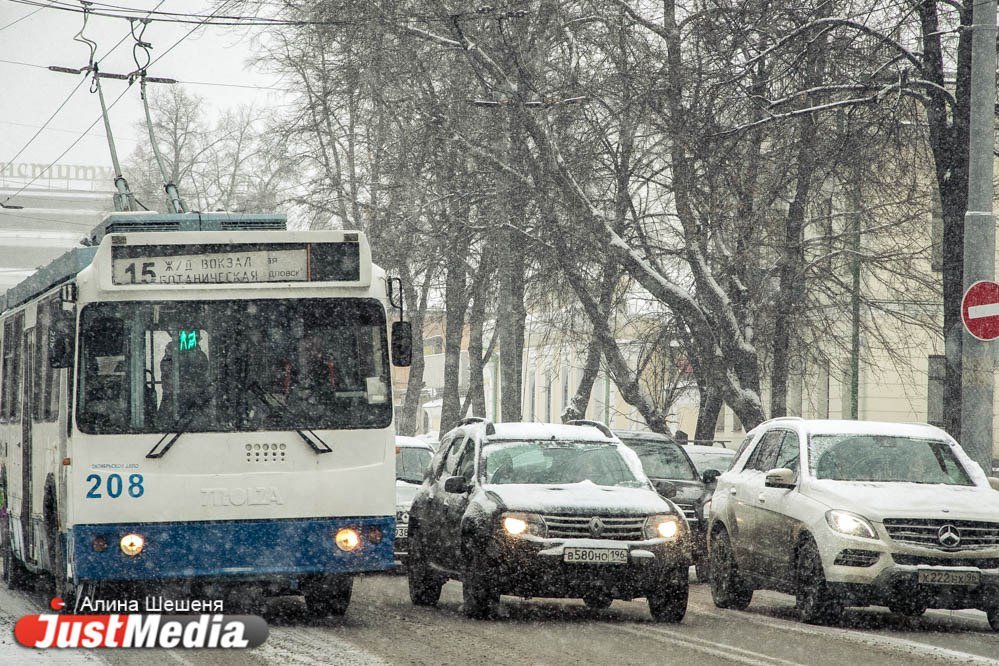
point(978, 374)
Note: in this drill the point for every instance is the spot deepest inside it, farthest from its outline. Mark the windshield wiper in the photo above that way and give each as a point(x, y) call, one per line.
point(320, 447)
point(179, 429)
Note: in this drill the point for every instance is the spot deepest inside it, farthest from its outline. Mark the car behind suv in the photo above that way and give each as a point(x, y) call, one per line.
point(674, 476)
point(412, 458)
point(853, 513)
point(543, 510)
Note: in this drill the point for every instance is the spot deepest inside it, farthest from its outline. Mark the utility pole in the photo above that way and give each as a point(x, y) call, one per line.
point(980, 235)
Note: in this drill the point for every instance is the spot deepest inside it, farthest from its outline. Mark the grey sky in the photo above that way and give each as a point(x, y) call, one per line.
point(210, 62)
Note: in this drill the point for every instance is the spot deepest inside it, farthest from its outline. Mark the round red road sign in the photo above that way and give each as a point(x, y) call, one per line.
point(980, 310)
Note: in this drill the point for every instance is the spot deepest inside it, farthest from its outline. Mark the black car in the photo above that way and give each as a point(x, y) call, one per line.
point(543, 510)
point(674, 476)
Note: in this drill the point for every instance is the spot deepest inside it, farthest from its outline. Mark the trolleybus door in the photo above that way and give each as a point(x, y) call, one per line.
point(27, 373)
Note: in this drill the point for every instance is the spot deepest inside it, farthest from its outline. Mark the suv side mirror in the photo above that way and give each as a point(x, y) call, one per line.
point(61, 339)
point(710, 476)
point(456, 484)
point(402, 343)
point(781, 477)
point(665, 488)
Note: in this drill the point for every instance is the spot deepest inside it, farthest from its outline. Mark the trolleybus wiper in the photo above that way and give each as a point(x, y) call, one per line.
point(181, 428)
point(321, 447)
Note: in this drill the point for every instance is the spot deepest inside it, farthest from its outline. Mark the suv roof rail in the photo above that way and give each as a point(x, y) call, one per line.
point(469, 420)
point(602, 427)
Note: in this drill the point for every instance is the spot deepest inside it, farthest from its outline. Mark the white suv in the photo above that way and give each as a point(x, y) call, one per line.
point(854, 513)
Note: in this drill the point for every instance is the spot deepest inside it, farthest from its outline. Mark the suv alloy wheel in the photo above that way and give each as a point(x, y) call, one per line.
point(728, 589)
point(815, 603)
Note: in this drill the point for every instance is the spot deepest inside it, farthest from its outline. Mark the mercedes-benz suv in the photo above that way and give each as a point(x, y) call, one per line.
point(545, 510)
point(853, 513)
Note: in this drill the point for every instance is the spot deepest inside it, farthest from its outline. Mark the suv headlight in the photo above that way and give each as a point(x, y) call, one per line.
point(521, 524)
point(846, 522)
point(665, 526)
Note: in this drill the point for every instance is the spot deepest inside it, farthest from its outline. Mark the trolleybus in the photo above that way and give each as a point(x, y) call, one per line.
point(201, 399)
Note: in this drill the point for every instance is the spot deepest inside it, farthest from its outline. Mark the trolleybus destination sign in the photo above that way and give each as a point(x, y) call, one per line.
point(272, 265)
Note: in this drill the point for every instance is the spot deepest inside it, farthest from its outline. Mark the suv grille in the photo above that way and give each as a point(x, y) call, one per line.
point(580, 527)
point(972, 534)
point(688, 511)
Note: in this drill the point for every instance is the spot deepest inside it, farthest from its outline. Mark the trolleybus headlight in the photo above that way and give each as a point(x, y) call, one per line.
point(132, 544)
point(347, 539)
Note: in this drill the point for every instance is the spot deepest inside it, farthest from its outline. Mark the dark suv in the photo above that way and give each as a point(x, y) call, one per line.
point(544, 510)
point(674, 476)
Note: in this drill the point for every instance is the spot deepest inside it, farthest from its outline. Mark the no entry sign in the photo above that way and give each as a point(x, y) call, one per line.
point(980, 310)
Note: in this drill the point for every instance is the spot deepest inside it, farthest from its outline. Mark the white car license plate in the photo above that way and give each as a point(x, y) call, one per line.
point(402, 531)
point(934, 577)
point(580, 555)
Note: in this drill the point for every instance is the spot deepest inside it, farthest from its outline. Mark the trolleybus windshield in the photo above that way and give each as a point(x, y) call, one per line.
point(203, 366)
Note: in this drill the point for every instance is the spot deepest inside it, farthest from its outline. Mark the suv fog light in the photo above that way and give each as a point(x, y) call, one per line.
point(347, 539)
point(132, 544)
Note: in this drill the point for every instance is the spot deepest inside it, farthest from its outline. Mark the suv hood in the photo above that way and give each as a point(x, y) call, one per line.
point(578, 498)
point(878, 501)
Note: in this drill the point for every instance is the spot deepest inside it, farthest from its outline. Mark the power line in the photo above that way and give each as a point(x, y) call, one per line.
point(86, 131)
point(115, 11)
point(18, 20)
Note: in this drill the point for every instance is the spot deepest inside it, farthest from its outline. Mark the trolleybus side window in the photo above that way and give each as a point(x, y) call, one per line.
point(10, 397)
point(46, 392)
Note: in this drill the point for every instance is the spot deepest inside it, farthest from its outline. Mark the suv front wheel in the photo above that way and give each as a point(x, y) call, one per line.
point(479, 591)
point(668, 603)
point(424, 583)
point(728, 588)
point(815, 603)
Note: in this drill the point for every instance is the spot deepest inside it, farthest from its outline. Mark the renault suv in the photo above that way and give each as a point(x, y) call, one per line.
point(853, 513)
point(545, 510)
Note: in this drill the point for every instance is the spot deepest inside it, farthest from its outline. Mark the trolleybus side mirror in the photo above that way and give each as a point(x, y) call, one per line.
point(61, 337)
point(402, 343)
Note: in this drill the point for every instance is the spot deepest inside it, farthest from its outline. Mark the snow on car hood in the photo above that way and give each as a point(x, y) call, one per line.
point(879, 500)
point(405, 492)
point(582, 497)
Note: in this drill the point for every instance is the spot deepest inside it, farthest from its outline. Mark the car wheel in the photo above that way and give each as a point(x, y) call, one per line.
point(728, 588)
point(479, 592)
point(815, 603)
point(328, 595)
point(702, 569)
point(993, 614)
point(598, 600)
point(668, 603)
point(424, 583)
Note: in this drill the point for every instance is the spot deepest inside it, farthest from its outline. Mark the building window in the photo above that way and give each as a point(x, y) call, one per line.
point(720, 423)
point(531, 387)
point(935, 376)
point(822, 381)
point(548, 397)
point(433, 345)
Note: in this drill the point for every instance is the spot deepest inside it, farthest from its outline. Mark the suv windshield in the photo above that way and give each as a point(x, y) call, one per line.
point(233, 365)
point(663, 460)
point(554, 462)
point(884, 458)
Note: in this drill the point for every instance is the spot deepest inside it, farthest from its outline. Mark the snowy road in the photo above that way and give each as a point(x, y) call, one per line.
point(382, 627)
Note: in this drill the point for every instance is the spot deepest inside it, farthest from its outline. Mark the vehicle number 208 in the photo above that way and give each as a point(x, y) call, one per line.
point(114, 486)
